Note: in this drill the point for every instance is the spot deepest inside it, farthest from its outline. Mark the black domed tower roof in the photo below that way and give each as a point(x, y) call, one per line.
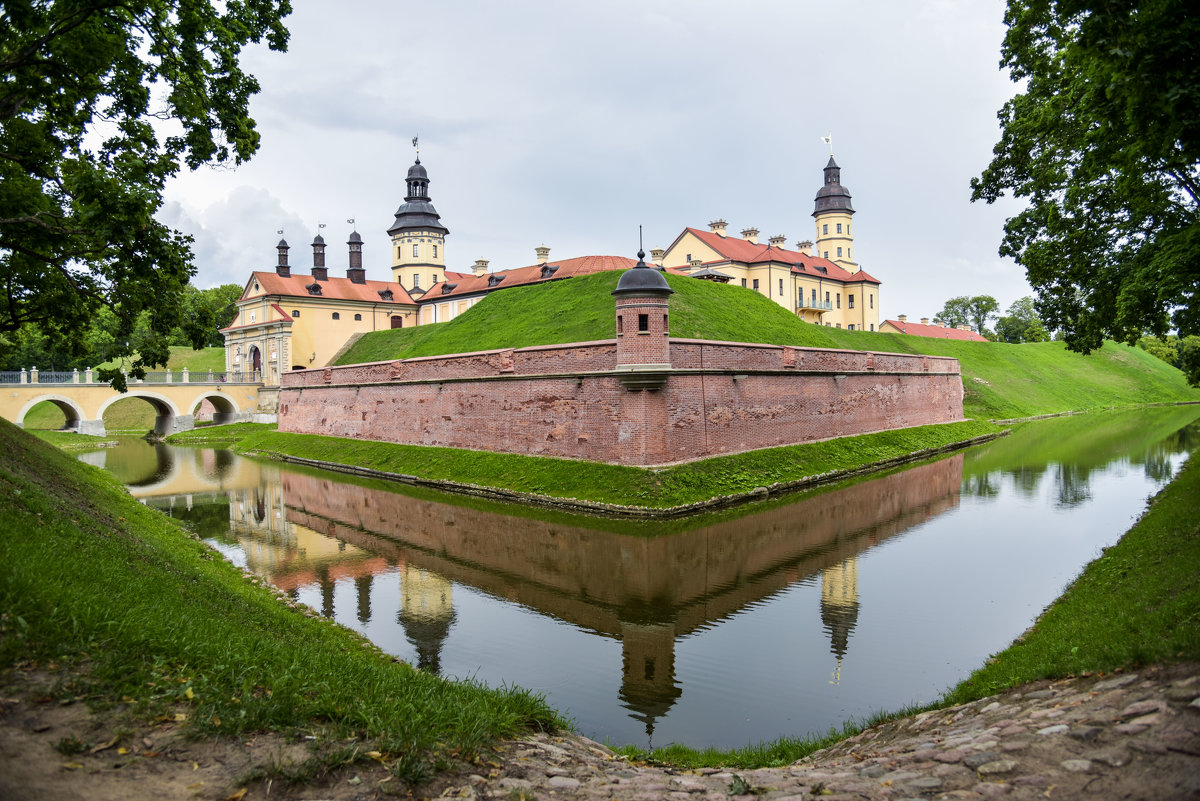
point(640, 279)
point(417, 213)
point(833, 196)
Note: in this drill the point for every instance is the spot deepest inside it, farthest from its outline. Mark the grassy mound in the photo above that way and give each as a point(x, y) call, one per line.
point(154, 617)
point(1001, 381)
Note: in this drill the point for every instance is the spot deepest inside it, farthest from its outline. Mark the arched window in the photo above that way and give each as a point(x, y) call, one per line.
point(295, 312)
point(358, 318)
point(337, 316)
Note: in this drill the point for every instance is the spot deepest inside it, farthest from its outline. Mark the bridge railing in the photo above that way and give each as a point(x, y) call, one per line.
point(88, 376)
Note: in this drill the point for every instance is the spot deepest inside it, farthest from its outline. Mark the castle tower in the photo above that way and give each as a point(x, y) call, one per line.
point(418, 236)
point(643, 326)
point(833, 214)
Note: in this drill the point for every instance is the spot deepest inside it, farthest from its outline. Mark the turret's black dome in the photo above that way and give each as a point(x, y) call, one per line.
point(833, 196)
point(640, 279)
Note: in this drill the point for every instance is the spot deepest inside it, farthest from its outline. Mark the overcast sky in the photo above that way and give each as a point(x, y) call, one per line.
point(571, 123)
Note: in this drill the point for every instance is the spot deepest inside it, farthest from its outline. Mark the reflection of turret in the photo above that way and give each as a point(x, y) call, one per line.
point(648, 687)
point(839, 607)
point(426, 613)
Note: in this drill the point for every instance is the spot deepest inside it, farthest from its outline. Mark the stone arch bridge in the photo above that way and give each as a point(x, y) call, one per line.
point(235, 397)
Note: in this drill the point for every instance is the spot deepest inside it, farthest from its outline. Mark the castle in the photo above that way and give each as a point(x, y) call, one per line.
point(290, 321)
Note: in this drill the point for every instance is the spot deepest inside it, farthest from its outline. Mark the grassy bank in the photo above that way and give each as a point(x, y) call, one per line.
point(147, 615)
point(594, 482)
point(1001, 381)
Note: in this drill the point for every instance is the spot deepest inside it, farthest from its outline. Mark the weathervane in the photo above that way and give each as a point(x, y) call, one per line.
point(417, 148)
point(828, 139)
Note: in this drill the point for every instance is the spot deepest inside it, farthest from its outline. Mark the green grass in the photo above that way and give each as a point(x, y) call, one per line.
point(596, 482)
point(144, 609)
point(1137, 604)
point(1000, 381)
point(128, 415)
point(182, 356)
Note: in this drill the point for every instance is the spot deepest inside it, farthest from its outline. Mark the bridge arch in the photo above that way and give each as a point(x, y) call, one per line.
point(70, 409)
point(225, 407)
point(168, 418)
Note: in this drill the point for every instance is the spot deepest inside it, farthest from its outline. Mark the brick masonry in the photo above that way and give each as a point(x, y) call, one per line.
point(569, 401)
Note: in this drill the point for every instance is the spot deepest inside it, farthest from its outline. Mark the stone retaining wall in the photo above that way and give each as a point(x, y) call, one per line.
point(569, 401)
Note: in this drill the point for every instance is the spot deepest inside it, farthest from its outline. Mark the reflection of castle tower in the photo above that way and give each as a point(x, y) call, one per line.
point(648, 685)
point(839, 607)
point(426, 613)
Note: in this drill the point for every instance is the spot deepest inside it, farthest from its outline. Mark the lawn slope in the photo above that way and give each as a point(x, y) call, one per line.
point(1000, 381)
point(147, 613)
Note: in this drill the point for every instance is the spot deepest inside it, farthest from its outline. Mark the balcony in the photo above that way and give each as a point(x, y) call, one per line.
point(822, 305)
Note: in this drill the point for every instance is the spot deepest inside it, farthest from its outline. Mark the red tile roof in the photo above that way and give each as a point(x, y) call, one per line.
point(334, 288)
point(935, 331)
point(734, 249)
point(460, 284)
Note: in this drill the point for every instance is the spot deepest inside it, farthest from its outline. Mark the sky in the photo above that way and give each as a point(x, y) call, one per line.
point(570, 124)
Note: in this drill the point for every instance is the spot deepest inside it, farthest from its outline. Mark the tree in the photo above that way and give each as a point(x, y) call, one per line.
point(100, 104)
point(1164, 348)
point(1189, 358)
point(1021, 324)
point(1104, 143)
point(974, 312)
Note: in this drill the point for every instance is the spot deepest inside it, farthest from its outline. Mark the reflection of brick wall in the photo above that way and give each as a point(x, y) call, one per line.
point(565, 400)
point(589, 576)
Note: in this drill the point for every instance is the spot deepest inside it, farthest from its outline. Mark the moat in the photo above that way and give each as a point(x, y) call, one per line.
point(778, 618)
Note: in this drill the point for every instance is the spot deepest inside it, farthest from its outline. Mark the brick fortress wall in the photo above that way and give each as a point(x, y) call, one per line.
point(569, 400)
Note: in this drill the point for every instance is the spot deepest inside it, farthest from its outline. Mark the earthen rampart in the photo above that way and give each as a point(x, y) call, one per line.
point(575, 401)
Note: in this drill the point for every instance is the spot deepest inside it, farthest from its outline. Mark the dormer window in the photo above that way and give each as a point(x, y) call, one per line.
point(385, 294)
point(314, 288)
point(549, 270)
point(447, 288)
point(255, 286)
point(493, 280)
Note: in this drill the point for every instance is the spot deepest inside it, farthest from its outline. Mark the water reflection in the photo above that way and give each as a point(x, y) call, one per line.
point(824, 585)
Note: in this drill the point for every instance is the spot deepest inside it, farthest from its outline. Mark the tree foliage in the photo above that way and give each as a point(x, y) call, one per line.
point(1021, 324)
point(974, 312)
point(101, 103)
point(1104, 143)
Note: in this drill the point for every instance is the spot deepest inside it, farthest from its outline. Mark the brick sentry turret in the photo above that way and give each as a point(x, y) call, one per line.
point(643, 327)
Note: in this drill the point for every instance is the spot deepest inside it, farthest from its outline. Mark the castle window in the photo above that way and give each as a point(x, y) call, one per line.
point(399, 253)
point(755, 284)
point(872, 326)
point(839, 253)
point(814, 298)
point(689, 261)
point(850, 327)
point(825, 228)
point(416, 281)
point(252, 316)
point(871, 298)
point(295, 312)
point(826, 254)
point(435, 251)
point(337, 316)
point(620, 325)
point(643, 322)
point(850, 301)
point(781, 287)
point(743, 282)
point(826, 298)
point(839, 228)
point(415, 250)
point(358, 318)
point(839, 302)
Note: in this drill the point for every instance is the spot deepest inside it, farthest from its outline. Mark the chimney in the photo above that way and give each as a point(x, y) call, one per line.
point(355, 271)
point(282, 269)
point(903, 318)
point(805, 246)
point(695, 264)
point(656, 255)
point(543, 254)
point(924, 321)
point(750, 235)
point(717, 226)
point(319, 271)
point(480, 267)
point(778, 241)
